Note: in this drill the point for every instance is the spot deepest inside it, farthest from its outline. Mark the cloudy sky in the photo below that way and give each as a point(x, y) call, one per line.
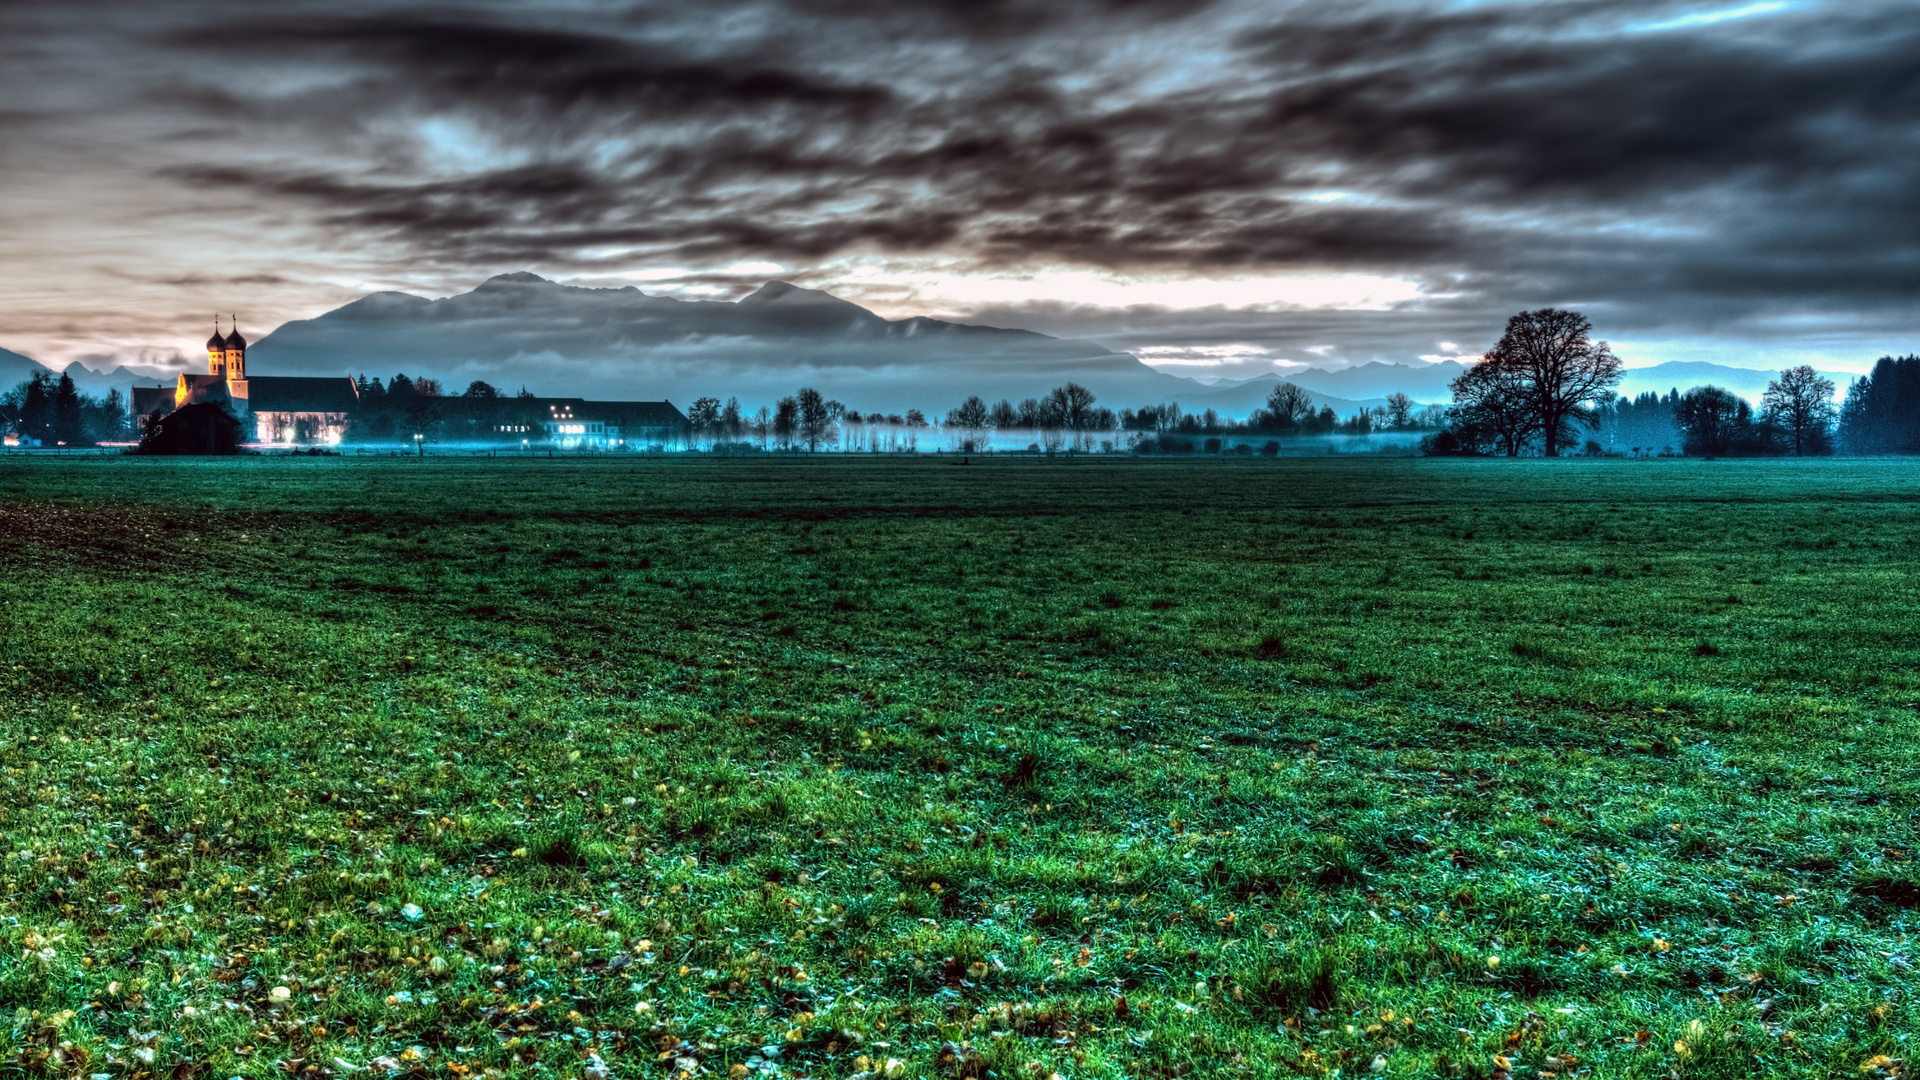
point(1220, 187)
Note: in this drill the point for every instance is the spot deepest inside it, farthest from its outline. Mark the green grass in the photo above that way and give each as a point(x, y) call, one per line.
point(1100, 767)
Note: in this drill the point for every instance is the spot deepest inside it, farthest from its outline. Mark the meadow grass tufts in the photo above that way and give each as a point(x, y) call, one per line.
point(1098, 767)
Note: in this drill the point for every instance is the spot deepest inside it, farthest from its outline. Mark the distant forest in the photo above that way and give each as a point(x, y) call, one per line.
point(1067, 418)
point(46, 410)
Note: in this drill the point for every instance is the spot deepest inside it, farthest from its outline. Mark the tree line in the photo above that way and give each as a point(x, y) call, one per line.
point(1543, 387)
point(48, 411)
point(1547, 382)
point(807, 420)
point(804, 420)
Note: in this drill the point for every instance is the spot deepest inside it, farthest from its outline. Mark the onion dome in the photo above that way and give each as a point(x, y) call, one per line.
point(234, 340)
point(218, 342)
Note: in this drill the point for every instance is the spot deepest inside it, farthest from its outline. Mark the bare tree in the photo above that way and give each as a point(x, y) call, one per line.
point(968, 422)
point(836, 413)
point(1800, 405)
point(1290, 406)
point(1399, 411)
point(814, 419)
point(1559, 369)
point(1003, 416)
point(1073, 404)
point(972, 414)
point(704, 418)
point(1491, 404)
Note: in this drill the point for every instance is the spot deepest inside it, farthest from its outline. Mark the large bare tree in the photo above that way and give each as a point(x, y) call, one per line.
point(1290, 406)
point(1562, 369)
point(1800, 404)
point(1491, 404)
point(972, 415)
point(1399, 411)
point(1071, 406)
point(815, 418)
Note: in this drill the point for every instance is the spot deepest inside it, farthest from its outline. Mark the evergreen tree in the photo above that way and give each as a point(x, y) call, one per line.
point(106, 418)
point(1882, 411)
point(69, 426)
point(36, 412)
point(785, 416)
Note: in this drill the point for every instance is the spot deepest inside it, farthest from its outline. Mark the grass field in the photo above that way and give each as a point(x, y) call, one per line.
point(1094, 767)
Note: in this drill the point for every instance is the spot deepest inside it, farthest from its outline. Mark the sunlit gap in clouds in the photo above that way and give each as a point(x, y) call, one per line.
point(1074, 287)
point(899, 289)
point(452, 147)
point(1709, 18)
point(1199, 358)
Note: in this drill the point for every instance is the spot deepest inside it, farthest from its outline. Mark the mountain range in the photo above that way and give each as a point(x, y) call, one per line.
point(1684, 375)
point(520, 330)
point(16, 369)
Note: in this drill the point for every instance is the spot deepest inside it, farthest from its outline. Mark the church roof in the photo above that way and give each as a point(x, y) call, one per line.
point(295, 393)
point(235, 341)
point(631, 414)
point(145, 400)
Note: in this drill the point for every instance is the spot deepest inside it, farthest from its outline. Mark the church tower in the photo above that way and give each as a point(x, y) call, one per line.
point(236, 353)
point(217, 350)
point(226, 378)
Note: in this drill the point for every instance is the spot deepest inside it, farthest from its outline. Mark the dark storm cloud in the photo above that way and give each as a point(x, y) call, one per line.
point(1445, 126)
point(1694, 178)
point(529, 71)
point(986, 19)
point(1619, 118)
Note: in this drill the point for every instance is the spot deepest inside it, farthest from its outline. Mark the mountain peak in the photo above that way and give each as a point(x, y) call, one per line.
point(775, 292)
point(521, 278)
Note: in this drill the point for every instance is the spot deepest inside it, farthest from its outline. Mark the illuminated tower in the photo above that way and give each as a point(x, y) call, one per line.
point(236, 350)
point(217, 350)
